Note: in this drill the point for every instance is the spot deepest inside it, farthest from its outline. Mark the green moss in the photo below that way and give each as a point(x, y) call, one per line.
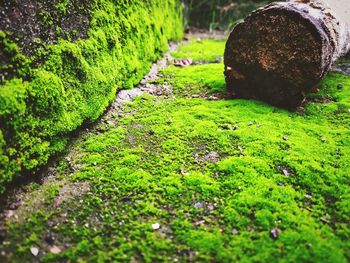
point(77, 80)
point(199, 80)
point(201, 50)
point(13, 63)
point(217, 176)
point(272, 170)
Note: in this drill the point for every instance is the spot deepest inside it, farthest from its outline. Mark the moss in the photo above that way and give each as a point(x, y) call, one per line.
point(199, 80)
point(76, 81)
point(202, 50)
point(13, 62)
point(217, 176)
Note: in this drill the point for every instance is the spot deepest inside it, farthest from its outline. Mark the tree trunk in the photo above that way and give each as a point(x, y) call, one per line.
point(281, 51)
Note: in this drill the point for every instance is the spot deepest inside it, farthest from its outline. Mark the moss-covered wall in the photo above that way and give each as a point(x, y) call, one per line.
point(62, 64)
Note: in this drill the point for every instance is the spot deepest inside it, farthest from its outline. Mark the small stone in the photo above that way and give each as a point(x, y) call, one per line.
point(308, 196)
point(340, 86)
point(285, 138)
point(199, 204)
point(34, 251)
point(155, 226)
point(199, 223)
point(234, 231)
point(235, 128)
point(210, 207)
point(274, 233)
point(213, 98)
point(212, 157)
point(183, 62)
point(10, 213)
point(55, 250)
point(286, 172)
point(323, 139)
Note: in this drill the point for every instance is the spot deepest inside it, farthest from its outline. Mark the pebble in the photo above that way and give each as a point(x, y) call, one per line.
point(285, 172)
point(234, 231)
point(199, 204)
point(155, 226)
point(340, 86)
point(210, 207)
point(55, 250)
point(308, 196)
point(274, 233)
point(34, 251)
point(213, 98)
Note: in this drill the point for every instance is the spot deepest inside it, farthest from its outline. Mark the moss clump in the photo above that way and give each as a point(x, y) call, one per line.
point(189, 179)
point(202, 50)
point(13, 62)
point(76, 81)
point(199, 80)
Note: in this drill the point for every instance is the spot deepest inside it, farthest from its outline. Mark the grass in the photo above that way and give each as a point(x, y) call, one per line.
point(217, 176)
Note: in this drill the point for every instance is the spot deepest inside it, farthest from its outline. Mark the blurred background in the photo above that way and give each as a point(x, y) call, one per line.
point(218, 14)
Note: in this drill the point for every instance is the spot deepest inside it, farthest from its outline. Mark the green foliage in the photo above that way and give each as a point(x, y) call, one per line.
point(77, 80)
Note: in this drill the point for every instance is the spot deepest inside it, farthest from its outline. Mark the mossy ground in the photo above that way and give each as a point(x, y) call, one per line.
point(201, 50)
point(185, 178)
